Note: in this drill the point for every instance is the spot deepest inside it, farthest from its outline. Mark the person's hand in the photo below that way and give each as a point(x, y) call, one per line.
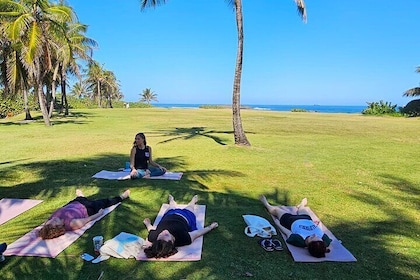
point(162, 168)
point(133, 172)
point(146, 221)
point(213, 225)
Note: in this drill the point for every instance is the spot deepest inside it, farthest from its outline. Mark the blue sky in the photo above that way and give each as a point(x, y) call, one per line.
point(348, 53)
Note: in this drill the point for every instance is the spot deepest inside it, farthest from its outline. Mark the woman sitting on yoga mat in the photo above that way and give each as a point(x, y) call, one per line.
point(76, 214)
point(299, 228)
point(176, 228)
point(141, 162)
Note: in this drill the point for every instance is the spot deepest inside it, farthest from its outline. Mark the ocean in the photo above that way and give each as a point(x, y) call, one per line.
point(284, 108)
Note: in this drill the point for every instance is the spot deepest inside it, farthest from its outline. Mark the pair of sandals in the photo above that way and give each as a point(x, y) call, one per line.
point(270, 245)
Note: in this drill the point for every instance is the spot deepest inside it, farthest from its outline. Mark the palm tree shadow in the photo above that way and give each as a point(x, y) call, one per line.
point(184, 133)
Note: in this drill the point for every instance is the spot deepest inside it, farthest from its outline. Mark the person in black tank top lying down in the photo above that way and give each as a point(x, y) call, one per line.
point(177, 228)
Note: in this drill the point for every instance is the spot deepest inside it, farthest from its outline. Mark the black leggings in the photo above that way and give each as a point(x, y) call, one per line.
point(93, 206)
point(287, 219)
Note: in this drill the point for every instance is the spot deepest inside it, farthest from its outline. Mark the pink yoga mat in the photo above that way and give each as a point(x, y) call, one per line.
point(338, 252)
point(118, 175)
point(191, 252)
point(32, 245)
point(12, 207)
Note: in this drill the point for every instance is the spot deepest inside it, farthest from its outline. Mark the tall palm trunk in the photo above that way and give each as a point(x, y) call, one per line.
point(53, 87)
point(41, 98)
point(238, 131)
point(63, 92)
point(98, 87)
point(25, 103)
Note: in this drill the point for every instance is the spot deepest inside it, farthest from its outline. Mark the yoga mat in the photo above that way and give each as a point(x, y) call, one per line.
point(32, 245)
point(190, 252)
point(338, 252)
point(12, 207)
point(118, 175)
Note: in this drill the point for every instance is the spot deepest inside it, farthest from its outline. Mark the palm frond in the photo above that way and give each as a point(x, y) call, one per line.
point(151, 3)
point(412, 92)
point(300, 4)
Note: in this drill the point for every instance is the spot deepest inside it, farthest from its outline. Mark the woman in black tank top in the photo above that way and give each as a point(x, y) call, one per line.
point(141, 162)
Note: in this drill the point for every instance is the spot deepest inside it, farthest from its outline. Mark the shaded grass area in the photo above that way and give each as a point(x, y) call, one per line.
point(356, 171)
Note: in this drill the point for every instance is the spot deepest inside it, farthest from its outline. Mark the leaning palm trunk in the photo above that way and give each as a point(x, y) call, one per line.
point(53, 87)
point(42, 103)
point(238, 131)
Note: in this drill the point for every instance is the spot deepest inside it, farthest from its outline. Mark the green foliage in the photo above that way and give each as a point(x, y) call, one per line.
point(214, 106)
point(298, 110)
point(80, 103)
point(412, 109)
point(381, 108)
point(139, 105)
point(14, 105)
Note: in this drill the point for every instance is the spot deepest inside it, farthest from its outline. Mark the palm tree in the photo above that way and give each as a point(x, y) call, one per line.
point(32, 27)
point(13, 75)
point(148, 96)
point(413, 91)
point(110, 87)
point(78, 47)
point(238, 131)
point(80, 89)
point(95, 79)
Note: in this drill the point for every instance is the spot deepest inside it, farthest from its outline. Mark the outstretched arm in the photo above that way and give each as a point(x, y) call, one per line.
point(285, 230)
point(148, 224)
point(200, 232)
point(79, 223)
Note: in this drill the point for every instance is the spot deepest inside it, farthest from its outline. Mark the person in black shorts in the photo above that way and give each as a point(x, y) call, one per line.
point(299, 228)
point(176, 228)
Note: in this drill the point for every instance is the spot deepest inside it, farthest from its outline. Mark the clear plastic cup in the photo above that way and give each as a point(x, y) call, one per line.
point(98, 241)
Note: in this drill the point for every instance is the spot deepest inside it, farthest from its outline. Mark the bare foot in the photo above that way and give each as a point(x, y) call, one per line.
point(194, 199)
point(303, 203)
point(263, 199)
point(79, 193)
point(125, 194)
point(171, 199)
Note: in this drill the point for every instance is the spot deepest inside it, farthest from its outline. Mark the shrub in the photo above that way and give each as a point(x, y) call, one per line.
point(380, 108)
point(14, 105)
point(412, 109)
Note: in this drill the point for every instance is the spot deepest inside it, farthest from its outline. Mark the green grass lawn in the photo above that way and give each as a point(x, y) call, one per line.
point(359, 173)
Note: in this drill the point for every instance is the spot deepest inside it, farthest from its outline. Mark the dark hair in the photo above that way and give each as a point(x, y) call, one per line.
point(161, 249)
point(50, 231)
point(141, 134)
point(318, 249)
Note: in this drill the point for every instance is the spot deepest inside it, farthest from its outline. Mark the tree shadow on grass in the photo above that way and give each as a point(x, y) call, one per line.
point(73, 117)
point(377, 242)
point(55, 183)
point(187, 133)
point(227, 252)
